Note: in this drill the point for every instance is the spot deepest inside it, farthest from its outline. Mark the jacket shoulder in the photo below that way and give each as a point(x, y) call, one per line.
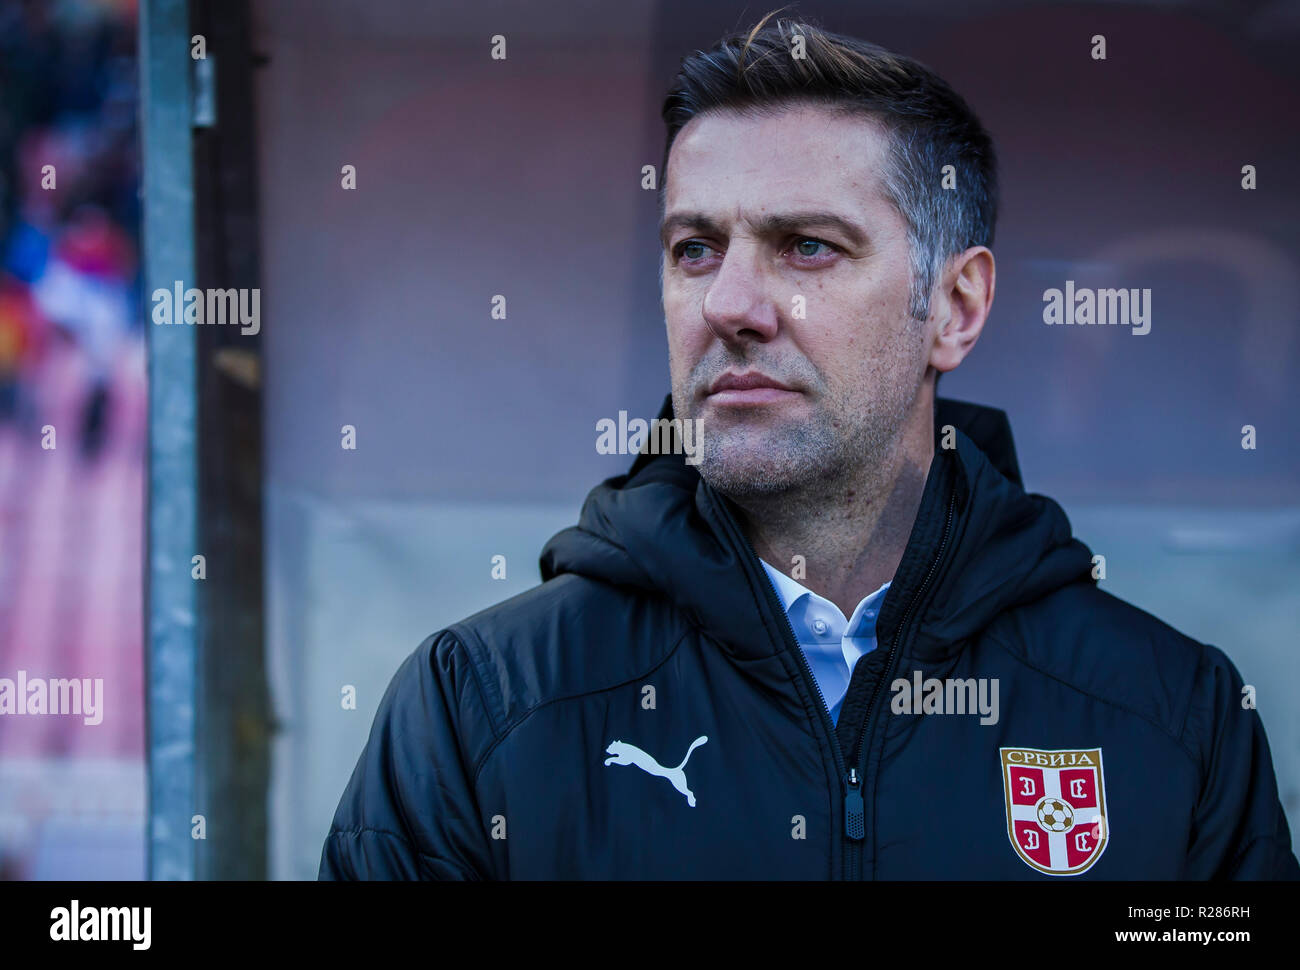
point(1112, 651)
point(568, 637)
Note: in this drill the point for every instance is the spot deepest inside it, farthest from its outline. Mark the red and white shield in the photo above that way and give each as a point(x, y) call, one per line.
point(1056, 808)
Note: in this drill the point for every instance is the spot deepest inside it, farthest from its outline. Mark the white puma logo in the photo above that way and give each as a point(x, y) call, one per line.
point(629, 754)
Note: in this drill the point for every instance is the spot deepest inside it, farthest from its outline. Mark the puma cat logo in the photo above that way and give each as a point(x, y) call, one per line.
point(629, 754)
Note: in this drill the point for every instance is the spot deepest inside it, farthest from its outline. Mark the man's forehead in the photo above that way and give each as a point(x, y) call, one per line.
point(794, 159)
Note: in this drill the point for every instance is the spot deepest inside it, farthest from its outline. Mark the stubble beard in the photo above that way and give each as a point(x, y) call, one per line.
point(850, 442)
point(755, 462)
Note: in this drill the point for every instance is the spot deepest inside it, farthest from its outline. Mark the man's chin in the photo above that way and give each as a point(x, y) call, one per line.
point(741, 476)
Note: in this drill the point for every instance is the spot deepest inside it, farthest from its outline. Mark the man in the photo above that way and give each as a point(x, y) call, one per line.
point(730, 668)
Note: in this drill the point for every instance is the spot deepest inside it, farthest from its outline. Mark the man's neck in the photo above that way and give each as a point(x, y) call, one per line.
point(851, 530)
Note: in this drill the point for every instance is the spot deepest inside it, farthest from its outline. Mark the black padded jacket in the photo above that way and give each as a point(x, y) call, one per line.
point(645, 712)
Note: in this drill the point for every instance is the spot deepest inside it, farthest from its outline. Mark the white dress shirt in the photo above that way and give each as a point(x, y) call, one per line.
point(831, 643)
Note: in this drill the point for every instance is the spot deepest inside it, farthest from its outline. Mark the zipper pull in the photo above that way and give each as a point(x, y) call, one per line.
point(854, 827)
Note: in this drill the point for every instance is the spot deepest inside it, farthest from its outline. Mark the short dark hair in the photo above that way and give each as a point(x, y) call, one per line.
point(928, 123)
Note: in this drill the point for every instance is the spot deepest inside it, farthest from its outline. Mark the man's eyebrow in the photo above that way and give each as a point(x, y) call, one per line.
point(772, 224)
point(696, 221)
point(784, 223)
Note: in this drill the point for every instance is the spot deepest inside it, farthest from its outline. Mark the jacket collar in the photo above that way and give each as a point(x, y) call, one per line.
point(979, 544)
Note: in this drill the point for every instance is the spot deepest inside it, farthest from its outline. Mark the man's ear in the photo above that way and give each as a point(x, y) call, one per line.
point(961, 305)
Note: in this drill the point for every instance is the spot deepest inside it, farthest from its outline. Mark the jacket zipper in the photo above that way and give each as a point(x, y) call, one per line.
point(854, 805)
point(885, 675)
point(853, 814)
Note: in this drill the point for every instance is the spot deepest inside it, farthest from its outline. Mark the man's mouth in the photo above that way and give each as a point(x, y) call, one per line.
point(750, 388)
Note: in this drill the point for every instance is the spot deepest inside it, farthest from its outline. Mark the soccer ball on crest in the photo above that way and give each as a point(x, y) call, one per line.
point(1055, 815)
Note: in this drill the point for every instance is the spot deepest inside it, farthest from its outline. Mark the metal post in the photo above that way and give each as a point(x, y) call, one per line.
point(171, 600)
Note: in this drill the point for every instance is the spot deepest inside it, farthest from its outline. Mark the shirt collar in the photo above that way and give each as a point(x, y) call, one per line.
point(861, 624)
point(787, 590)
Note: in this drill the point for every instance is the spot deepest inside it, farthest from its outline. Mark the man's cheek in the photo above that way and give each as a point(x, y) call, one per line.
point(687, 346)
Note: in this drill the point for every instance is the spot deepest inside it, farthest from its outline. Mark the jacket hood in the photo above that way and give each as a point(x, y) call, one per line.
point(662, 530)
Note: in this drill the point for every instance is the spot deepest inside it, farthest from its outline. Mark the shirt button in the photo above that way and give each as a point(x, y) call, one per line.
point(819, 627)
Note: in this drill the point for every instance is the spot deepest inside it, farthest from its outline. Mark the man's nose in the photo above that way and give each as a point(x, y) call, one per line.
point(737, 304)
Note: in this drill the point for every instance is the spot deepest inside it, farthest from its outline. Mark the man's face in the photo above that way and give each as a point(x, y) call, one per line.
point(784, 264)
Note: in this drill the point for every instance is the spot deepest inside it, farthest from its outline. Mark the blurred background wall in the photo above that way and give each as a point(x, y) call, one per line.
point(521, 177)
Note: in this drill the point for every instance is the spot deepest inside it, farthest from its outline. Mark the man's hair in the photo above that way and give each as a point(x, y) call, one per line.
point(928, 123)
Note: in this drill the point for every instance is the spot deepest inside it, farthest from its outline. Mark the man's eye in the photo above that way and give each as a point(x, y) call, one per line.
point(802, 247)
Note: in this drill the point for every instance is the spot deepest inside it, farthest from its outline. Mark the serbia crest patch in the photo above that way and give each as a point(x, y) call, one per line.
point(1056, 808)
